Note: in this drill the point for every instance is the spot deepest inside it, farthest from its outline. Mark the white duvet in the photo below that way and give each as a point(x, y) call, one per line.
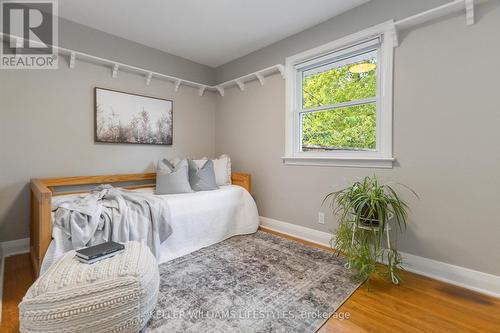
point(198, 219)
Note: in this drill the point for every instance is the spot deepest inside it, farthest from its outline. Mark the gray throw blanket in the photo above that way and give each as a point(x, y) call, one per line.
point(109, 213)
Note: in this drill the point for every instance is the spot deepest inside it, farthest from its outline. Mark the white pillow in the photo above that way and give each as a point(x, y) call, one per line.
point(222, 168)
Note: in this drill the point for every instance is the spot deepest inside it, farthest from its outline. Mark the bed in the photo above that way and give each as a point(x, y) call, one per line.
point(198, 219)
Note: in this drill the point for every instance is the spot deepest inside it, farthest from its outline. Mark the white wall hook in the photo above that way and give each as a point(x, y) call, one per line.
point(115, 71)
point(281, 69)
point(177, 85)
point(261, 78)
point(72, 60)
point(220, 90)
point(240, 84)
point(201, 91)
point(260, 75)
point(469, 12)
point(148, 79)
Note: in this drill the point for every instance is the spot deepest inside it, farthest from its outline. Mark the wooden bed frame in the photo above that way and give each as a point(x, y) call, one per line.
point(42, 191)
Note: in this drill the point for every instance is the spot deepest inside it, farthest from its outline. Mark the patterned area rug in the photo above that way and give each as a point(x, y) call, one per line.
point(253, 283)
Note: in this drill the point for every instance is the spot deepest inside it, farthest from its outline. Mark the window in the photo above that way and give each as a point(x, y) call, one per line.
point(339, 103)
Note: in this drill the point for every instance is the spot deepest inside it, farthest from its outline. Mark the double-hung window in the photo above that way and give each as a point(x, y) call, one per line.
point(339, 103)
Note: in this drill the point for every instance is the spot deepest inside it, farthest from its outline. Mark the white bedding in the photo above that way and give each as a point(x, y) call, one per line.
point(198, 219)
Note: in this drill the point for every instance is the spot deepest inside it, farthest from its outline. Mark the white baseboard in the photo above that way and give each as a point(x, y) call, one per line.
point(307, 234)
point(8, 249)
point(18, 246)
point(485, 283)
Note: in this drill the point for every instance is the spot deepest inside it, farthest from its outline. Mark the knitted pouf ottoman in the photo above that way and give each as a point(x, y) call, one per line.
point(117, 294)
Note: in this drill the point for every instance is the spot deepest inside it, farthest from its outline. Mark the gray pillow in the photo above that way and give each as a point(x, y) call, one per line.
point(171, 165)
point(172, 180)
point(202, 179)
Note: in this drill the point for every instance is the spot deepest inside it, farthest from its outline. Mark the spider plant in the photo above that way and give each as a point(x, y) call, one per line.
point(364, 210)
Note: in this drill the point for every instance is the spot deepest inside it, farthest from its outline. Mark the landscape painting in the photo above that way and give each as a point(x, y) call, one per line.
point(129, 118)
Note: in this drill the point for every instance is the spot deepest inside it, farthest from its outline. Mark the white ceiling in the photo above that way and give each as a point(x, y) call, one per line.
point(210, 32)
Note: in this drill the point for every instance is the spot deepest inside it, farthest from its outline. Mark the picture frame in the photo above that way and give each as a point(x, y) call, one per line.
point(128, 118)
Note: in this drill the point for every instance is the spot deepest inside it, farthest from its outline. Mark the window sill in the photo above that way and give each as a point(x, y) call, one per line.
point(355, 162)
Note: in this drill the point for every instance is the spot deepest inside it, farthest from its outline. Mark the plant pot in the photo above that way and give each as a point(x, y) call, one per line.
point(369, 222)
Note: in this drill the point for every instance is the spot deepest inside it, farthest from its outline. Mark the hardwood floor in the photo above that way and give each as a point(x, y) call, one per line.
point(418, 305)
point(17, 279)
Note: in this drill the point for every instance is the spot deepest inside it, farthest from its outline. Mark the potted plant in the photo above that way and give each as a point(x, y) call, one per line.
point(364, 210)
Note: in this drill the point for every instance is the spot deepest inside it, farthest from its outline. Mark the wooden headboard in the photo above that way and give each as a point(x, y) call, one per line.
point(42, 191)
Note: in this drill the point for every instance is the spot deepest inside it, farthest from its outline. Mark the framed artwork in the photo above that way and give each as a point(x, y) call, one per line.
point(122, 117)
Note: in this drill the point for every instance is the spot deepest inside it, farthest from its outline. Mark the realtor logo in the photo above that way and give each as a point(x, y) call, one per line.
point(29, 39)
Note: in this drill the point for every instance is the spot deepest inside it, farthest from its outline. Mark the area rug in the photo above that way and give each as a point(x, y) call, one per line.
point(252, 283)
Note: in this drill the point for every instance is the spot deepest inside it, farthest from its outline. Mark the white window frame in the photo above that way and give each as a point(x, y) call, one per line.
point(382, 156)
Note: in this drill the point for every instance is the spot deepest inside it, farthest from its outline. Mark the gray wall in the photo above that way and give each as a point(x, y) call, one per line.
point(46, 130)
point(46, 118)
point(84, 39)
point(371, 13)
point(446, 135)
point(445, 127)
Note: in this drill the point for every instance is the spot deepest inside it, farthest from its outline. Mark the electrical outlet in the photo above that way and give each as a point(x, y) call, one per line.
point(321, 218)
